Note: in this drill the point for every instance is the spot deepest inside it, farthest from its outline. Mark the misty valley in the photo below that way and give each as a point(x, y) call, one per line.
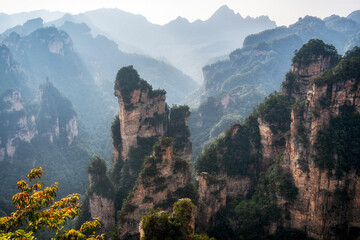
point(112, 127)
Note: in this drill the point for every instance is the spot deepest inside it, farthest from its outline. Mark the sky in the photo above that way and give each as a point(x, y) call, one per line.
point(283, 12)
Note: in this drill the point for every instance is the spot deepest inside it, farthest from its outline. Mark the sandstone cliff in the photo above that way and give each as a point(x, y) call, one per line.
point(327, 206)
point(100, 196)
point(142, 111)
point(164, 179)
point(144, 118)
point(300, 174)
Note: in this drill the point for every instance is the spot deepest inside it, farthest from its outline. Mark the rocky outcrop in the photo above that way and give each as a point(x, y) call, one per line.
point(179, 131)
point(99, 197)
point(16, 125)
point(306, 155)
point(142, 111)
point(164, 179)
point(212, 196)
point(102, 208)
point(57, 114)
point(327, 205)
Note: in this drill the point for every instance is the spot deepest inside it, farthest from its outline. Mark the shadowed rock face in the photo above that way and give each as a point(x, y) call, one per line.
point(160, 182)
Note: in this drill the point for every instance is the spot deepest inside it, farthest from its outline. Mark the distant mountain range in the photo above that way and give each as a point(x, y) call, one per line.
point(233, 87)
point(188, 46)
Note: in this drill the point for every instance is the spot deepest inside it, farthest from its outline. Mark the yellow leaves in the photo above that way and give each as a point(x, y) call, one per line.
point(35, 173)
point(86, 228)
point(31, 200)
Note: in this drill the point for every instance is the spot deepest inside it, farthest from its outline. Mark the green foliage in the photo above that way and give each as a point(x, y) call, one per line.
point(128, 171)
point(179, 113)
point(286, 188)
point(220, 227)
point(115, 132)
point(338, 146)
point(160, 145)
point(261, 208)
point(178, 128)
point(276, 110)
point(181, 165)
point(313, 49)
point(171, 227)
point(347, 69)
point(156, 93)
point(290, 83)
point(97, 166)
point(233, 153)
point(101, 183)
point(127, 80)
point(201, 237)
point(149, 169)
point(37, 210)
point(55, 109)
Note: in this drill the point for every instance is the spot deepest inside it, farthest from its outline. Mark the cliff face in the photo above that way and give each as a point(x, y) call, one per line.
point(17, 126)
point(142, 111)
point(57, 119)
point(304, 143)
point(99, 198)
point(164, 179)
point(327, 205)
point(143, 117)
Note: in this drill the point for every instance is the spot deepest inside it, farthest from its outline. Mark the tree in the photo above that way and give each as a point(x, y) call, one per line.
point(36, 209)
point(177, 226)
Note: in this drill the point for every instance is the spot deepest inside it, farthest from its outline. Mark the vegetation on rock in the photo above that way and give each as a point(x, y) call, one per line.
point(338, 145)
point(176, 226)
point(347, 69)
point(233, 153)
point(100, 184)
point(312, 50)
point(128, 80)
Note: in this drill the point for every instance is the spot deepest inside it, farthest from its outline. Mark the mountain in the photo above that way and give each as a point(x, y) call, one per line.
point(355, 16)
point(11, 20)
point(334, 30)
point(26, 28)
point(187, 46)
point(103, 58)
point(233, 87)
point(290, 170)
point(42, 132)
point(11, 74)
point(48, 53)
point(145, 125)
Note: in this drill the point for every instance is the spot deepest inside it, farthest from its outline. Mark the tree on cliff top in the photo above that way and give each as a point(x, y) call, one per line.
point(176, 226)
point(127, 80)
point(30, 215)
point(313, 49)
